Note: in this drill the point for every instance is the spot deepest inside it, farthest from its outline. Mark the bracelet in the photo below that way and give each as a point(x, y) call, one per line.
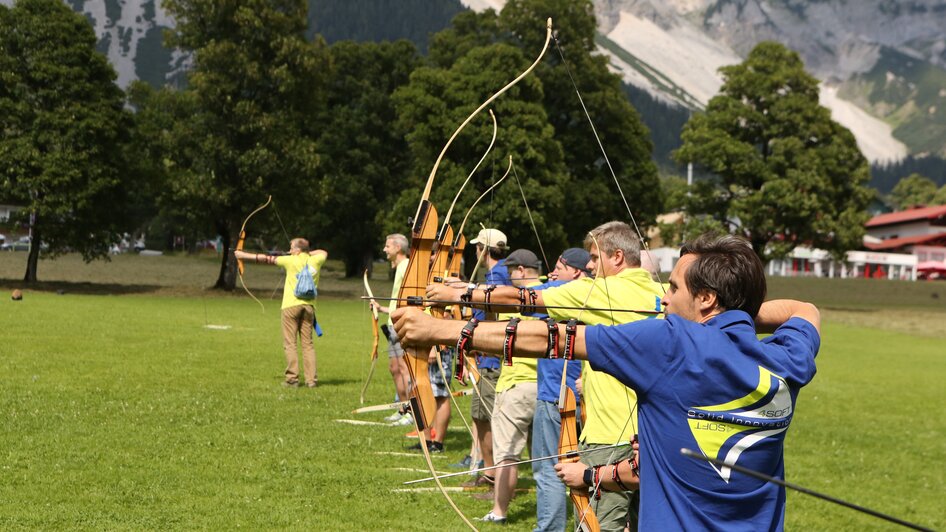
point(596, 487)
point(463, 343)
point(487, 292)
point(571, 330)
point(552, 351)
point(509, 342)
point(468, 296)
point(533, 297)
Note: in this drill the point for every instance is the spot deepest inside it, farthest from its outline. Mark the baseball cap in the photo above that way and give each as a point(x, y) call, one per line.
point(523, 257)
point(492, 238)
point(576, 258)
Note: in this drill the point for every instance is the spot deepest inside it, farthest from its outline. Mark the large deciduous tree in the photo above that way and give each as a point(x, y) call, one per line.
point(364, 160)
point(786, 174)
point(569, 186)
point(255, 90)
point(62, 132)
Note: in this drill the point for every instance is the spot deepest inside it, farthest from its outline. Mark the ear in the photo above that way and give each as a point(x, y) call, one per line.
point(618, 257)
point(707, 300)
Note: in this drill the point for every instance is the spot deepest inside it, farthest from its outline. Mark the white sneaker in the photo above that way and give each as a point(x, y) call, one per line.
point(405, 420)
point(493, 518)
point(393, 417)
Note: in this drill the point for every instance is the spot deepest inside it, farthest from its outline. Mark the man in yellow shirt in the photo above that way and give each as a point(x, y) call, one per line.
point(396, 249)
point(619, 283)
point(515, 397)
point(298, 315)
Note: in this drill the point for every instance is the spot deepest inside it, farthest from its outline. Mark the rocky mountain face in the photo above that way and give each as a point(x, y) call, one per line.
point(882, 62)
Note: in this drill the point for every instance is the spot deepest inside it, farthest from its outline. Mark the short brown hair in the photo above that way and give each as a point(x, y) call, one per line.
point(727, 266)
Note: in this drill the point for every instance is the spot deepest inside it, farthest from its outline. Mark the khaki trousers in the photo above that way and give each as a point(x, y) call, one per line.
point(297, 324)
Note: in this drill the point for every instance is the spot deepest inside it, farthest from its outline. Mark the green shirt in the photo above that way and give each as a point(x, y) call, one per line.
point(610, 407)
point(293, 264)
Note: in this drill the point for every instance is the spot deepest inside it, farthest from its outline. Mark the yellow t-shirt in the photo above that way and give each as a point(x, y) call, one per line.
point(399, 272)
point(610, 407)
point(293, 264)
point(522, 369)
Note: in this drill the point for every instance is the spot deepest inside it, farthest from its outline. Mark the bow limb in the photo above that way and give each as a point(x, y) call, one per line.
point(424, 236)
point(239, 247)
point(567, 448)
point(374, 332)
point(446, 218)
point(481, 256)
point(433, 171)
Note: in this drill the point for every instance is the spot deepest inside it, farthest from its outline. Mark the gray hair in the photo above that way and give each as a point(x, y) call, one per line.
point(401, 242)
point(612, 236)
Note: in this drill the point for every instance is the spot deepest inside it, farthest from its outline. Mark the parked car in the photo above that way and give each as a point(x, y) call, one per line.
point(16, 246)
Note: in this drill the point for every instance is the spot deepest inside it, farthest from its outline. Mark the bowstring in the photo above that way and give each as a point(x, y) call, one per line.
point(531, 220)
point(607, 160)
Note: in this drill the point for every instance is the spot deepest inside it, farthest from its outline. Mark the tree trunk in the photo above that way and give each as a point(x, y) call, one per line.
point(357, 262)
point(32, 261)
point(226, 278)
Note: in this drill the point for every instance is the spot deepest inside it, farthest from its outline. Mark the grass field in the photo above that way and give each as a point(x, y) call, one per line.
point(122, 411)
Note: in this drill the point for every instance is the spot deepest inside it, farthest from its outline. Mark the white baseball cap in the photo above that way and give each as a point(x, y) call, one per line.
point(491, 238)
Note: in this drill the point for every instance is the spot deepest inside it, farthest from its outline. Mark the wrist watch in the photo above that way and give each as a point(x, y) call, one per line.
point(468, 296)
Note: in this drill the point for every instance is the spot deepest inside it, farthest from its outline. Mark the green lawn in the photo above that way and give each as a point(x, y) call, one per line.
point(123, 411)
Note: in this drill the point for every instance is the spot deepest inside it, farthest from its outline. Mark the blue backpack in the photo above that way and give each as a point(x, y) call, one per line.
point(305, 284)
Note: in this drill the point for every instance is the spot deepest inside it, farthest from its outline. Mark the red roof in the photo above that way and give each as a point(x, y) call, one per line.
point(910, 215)
point(895, 243)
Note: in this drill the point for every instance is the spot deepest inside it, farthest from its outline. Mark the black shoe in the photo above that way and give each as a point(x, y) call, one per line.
point(432, 447)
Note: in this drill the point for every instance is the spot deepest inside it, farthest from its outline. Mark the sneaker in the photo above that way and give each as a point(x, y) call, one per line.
point(462, 464)
point(434, 447)
point(493, 518)
point(404, 420)
point(479, 482)
point(413, 434)
point(291, 384)
point(393, 418)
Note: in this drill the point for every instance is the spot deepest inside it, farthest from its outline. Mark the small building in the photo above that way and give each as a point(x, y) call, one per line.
point(923, 221)
point(807, 262)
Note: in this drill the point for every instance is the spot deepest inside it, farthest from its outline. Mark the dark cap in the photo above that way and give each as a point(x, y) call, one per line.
point(523, 257)
point(576, 258)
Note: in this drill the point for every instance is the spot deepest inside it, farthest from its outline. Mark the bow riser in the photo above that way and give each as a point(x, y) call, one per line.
point(423, 238)
point(568, 443)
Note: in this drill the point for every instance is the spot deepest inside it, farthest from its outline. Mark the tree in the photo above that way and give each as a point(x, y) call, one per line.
point(785, 173)
point(585, 179)
point(254, 89)
point(913, 190)
point(62, 132)
point(363, 158)
point(437, 100)
point(625, 138)
point(940, 197)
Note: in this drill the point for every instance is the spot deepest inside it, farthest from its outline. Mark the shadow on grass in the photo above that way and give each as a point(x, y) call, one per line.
point(66, 287)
